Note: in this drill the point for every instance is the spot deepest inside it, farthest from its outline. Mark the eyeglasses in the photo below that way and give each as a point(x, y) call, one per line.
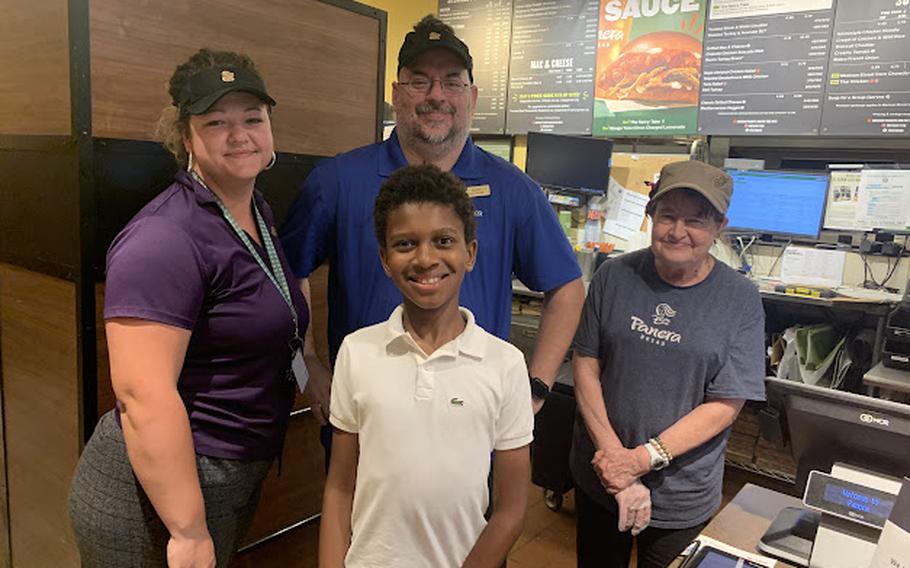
point(423, 85)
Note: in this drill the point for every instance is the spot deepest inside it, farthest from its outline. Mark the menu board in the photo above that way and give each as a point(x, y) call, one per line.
point(551, 73)
point(868, 89)
point(485, 26)
point(680, 67)
point(648, 67)
point(764, 64)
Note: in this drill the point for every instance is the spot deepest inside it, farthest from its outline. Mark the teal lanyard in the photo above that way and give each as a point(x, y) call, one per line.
point(276, 274)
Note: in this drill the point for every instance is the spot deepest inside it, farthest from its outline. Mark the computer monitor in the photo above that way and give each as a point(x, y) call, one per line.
point(573, 162)
point(824, 426)
point(785, 203)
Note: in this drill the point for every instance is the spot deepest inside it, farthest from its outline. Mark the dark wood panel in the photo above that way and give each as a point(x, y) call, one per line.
point(40, 394)
point(320, 62)
point(294, 549)
point(34, 56)
point(296, 493)
point(5, 559)
point(129, 173)
point(106, 398)
point(38, 209)
point(319, 314)
point(319, 280)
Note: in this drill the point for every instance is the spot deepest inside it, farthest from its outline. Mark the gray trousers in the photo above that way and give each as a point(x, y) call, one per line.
point(114, 521)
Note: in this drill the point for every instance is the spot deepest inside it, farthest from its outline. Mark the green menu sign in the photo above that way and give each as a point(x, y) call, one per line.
point(648, 65)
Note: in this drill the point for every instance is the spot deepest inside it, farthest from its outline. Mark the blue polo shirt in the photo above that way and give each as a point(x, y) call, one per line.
point(332, 219)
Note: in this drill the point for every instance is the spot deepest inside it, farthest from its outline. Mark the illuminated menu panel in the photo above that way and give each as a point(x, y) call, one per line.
point(551, 74)
point(868, 87)
point(763, 67)
point(485, 26)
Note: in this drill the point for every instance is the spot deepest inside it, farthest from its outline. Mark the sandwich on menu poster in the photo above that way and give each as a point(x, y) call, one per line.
point(648, 67)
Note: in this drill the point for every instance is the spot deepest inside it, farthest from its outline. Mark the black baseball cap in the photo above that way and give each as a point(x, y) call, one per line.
point(203, 89)
point(426, 38)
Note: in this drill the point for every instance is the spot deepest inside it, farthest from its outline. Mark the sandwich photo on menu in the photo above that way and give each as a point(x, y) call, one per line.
point(647, 77)
point(656, 67)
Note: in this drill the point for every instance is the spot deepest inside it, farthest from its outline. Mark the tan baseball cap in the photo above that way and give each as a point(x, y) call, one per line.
point(714, 183)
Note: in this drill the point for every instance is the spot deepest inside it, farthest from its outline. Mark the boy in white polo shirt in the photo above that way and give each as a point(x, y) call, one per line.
point(421, 400)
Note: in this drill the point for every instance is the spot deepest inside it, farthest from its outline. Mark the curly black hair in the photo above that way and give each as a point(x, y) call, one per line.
point(173, 123)
point(422, 184)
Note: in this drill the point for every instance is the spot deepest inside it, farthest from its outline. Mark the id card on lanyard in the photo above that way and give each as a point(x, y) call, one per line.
point(275, 274)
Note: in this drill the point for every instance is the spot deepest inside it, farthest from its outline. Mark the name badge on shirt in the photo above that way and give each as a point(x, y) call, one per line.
point(478, 190)
point(298, 367)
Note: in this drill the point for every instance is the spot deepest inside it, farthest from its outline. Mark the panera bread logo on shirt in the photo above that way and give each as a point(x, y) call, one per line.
point(662, 314)
point(654, 334)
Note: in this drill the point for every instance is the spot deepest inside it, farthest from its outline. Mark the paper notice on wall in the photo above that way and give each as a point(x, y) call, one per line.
point(884, 199)
point(893, 550)
point(843, 202)
point(625, 211)
point(813, 267)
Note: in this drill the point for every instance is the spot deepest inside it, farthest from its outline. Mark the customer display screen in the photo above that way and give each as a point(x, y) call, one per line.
point(778, 202)
point(860, 501)
point(848, 500)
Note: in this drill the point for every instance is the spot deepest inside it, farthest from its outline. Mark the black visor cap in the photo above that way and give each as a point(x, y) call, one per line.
point(203, 89)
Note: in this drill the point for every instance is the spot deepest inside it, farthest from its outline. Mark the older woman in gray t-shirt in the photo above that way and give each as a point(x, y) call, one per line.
point(670, 345)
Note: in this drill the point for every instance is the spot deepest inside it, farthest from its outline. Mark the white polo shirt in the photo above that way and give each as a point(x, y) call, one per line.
point(426, 428)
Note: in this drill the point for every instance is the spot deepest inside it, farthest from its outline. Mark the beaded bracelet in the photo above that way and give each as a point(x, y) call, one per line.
point(661, 448)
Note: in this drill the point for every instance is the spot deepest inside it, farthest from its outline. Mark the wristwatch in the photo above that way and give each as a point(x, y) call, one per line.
point(539, 389)
point(658, 459)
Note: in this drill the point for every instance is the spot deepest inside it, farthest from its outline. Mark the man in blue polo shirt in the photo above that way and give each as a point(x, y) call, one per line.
point(517, 230)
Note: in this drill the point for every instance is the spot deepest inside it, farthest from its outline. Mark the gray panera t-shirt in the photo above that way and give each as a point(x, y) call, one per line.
point(663, 351)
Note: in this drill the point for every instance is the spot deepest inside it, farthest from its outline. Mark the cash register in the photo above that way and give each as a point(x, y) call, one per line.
point(851, 452)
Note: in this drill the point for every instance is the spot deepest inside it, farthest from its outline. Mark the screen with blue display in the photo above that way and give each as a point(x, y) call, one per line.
point(858, 501)
point(778, 202)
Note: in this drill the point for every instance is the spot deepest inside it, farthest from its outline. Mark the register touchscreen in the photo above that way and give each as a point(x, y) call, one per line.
point(708, 557)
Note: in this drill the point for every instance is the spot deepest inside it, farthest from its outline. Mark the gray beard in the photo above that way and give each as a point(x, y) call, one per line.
point(435, 146)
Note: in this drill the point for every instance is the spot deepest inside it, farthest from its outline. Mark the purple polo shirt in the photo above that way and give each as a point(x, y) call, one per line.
point(178, 262)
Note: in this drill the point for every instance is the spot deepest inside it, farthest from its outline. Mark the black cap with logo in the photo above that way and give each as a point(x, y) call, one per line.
point(427, 37)
point(203, 89)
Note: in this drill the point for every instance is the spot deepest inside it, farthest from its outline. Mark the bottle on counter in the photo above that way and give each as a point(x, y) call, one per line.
point(594, 222)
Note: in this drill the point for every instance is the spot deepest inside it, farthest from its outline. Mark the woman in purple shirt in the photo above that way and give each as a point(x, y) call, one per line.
point(202, 327)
